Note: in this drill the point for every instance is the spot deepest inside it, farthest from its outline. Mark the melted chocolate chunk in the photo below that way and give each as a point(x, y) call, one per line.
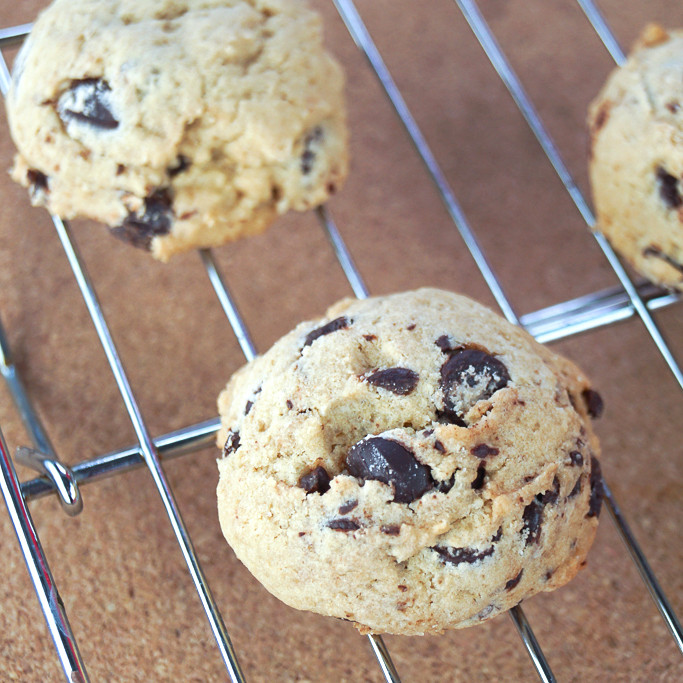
point(482, 450)
point(658, 253)
point(308, 157)
point(400, 381)
point(597, 489)
point(576, 489)
point(139, 230)
point(316, 481)
point(668, 188)
point(513, 582)
point(348, 506)
point(343, 524)
point(334, 325)
point(532, 518)
point(182, 163)
point(459, 555)
point(469, 376)
point(390, 529)
point(37, 180)
point(481, 476)
point(232, 443)
point(576, 459)
point(551, 495)
point(446, 485)
point(88, 101)
point(390, 462)
point(594, 402)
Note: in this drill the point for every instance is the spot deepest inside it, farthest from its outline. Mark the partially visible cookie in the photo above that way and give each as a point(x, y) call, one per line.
point(178, 123)
point(410, 463)
point(636, 166)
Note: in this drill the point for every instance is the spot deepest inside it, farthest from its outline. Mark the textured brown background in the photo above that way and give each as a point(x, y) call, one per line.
point(123, 581)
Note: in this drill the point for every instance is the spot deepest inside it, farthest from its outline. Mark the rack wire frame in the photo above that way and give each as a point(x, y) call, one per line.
point(559, 321)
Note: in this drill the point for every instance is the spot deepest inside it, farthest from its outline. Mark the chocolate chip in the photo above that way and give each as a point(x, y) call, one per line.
point(400, 381)
point(482, 450)
point(411, 327)
point(369, 337)
point(182, 163)
point(498, 535)
point(334, 325)
point(594, 402)
point(597, 489)
point(248, 407)
point(88, 101)
point(343, 524)
point(427, 432)
point(602, 116)
point(444, 343)
point(348, 506)
point(469, 376)
point(532, 518)
point(139, 230)
point(390, 462)
point(460, 555)
point(549, 574)
point(402, 588)
point(308, 156)
point(551, 495)
point(37, 180)
point(438, 446)
point(445, 485)
point(658, 253)
point(577, 487)
point(668, 188)
point(576, 459)
point(513, 582)
point(289, 404)
point(479, 479)
point(232, 443)
point(390, 529)
point(673, 106)
point(315, 481)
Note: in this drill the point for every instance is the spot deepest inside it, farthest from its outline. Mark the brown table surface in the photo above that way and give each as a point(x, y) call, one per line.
point(125, 586)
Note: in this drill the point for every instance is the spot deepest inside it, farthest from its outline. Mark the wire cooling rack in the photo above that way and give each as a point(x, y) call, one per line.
point(599, 309)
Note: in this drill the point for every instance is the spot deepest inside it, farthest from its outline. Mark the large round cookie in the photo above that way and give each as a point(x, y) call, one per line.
point(636, 125)
point(409, 463)
point(179, 123)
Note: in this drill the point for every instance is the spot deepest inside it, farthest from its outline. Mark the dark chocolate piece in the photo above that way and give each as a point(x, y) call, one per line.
point(88, 101)
point(481, 476)
point(334, 325)
point(576, 459)
point(444, 343)
point(315, 481)
point(594, 402)
point(232, 443)
point(577, 487)
point(308, 156)
point(139, 230)
point(390, 529)
point(37, 180)
point(446, 485)
point(459, 555)
point(532, 518)
point(343, 524)
point(400, 381)
point(348, 506)
point(438, 446)
point(668, 188)
point(182, 163)
point(597, 489)
point(513, 582)
point(473, 374)
point(481, 450)
point(392, 463)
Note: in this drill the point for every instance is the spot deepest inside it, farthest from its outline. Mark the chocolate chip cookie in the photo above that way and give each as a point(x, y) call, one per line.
point(409, 463)
point(178, 123)
point(636, 166)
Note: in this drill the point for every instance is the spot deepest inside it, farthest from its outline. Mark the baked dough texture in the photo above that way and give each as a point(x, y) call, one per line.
point(636, 166)
point(410, 463)
point(178, 123)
